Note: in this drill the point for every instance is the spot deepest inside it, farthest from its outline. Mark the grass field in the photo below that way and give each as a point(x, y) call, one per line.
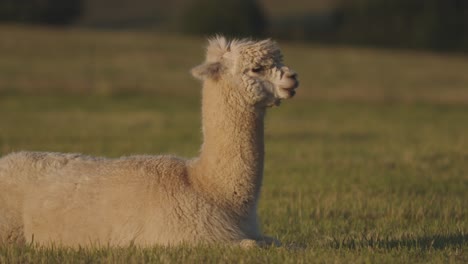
point(368, 164)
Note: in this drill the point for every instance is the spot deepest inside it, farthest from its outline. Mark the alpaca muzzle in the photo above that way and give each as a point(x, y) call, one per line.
point(289, 82)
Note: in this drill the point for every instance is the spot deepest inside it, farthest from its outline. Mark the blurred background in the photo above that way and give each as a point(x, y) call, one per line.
point(386, 49)
point(371, 155)
point(417, 24)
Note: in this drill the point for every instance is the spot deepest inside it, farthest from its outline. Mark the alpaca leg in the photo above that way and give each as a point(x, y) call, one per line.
point(263, 242)
point(249, 243)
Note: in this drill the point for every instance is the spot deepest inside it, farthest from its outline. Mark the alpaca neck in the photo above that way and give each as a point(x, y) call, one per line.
point(231, 159)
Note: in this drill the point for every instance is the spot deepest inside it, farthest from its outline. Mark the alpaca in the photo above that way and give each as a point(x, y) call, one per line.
point(76, 200)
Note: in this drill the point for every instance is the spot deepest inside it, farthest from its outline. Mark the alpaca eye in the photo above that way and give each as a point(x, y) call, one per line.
point(257, 69)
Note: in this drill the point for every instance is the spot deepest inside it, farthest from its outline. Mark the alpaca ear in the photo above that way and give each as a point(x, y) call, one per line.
point(209, 70)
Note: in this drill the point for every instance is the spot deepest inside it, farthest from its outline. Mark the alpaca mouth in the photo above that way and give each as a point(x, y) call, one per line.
point(290, 91)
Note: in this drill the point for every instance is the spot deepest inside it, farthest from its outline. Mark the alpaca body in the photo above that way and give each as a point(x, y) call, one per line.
point(75, 200)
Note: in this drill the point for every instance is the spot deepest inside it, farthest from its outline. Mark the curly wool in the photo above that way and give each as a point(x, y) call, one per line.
point(76, 200)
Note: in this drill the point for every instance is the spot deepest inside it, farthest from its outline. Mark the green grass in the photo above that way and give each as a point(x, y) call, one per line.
point(368, 164)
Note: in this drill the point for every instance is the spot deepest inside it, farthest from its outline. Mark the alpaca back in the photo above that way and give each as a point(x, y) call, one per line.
point(73, 200)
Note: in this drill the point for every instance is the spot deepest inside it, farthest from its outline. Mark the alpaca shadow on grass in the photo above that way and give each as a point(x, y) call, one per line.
point(437, 242)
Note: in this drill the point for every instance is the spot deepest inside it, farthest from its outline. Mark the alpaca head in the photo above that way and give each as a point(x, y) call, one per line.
point(253, 70)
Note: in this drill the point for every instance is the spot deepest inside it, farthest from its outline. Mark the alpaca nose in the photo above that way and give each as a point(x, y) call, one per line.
point(288, 73)
point(291, 74)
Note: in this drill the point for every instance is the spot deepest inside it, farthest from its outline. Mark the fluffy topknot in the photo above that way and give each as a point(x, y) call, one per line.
point(236, 55)
point(219, 47)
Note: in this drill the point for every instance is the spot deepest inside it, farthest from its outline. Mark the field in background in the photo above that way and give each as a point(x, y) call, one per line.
point(369, 163)
point(44, 61)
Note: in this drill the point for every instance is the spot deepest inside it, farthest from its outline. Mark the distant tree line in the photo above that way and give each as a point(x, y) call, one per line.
point(433, 24)
point(231, 17)
point(419, 24)
point(54, 12)
point(426, 24)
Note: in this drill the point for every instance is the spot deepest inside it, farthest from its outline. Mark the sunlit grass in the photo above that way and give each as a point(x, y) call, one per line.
point(368, 164)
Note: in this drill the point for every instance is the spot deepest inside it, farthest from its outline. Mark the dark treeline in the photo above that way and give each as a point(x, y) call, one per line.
point(231, 17)
point(53, 12)
point(418, 24)
point(422, 24)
